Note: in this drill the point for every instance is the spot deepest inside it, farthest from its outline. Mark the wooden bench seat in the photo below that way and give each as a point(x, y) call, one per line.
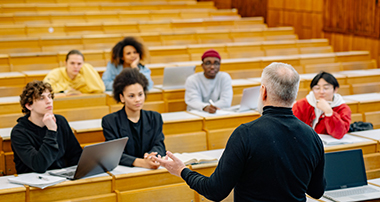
point(107, 41)
point(121, 16)
point(80, 28)
point(374, 118)
point(109, 6)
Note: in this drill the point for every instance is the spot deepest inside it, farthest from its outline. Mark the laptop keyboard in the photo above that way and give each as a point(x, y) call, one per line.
point(66, 172)
point(349, 192)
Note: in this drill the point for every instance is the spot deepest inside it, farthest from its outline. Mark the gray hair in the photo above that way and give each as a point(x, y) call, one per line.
point(282, 82)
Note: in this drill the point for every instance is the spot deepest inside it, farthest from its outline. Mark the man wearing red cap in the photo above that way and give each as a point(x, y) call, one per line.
point(209, 90)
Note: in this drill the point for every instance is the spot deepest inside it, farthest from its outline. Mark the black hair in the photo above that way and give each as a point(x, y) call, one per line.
point(127, 77)
point(118, 50)
point(329, 78)
point(74, 52)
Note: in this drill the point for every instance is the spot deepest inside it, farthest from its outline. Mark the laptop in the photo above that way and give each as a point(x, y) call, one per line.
point(346, 179)
point(249, 100)
point(175, 77)
point(95, 159)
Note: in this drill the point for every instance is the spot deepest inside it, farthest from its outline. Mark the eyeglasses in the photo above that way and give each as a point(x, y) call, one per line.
point(324, 88)
point(209, 64)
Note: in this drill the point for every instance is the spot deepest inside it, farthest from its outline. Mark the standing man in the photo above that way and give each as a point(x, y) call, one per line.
point(209, 90)
point(276, 157)
point(42, 140)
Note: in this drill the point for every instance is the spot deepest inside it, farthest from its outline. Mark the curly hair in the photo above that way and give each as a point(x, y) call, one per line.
point(32, 91)
point(127, 77)
point(118, 50)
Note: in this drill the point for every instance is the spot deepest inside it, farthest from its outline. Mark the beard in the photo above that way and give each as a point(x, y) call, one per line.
point(260, 105)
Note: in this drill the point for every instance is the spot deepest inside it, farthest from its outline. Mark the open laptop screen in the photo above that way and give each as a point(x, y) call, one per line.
point(175, 77)
point(345, 169)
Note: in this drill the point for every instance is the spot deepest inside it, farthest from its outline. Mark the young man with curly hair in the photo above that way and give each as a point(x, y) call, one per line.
point(42, 140)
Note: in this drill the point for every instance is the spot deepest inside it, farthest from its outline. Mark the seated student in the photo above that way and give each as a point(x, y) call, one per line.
point(323, 109)
point(76, 76)
point(42, 140)
point(209, 85)
point(126, 54)
point(144, 128)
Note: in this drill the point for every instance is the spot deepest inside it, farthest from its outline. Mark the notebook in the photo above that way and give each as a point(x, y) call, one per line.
point(346, 179)
point(248, 101)
point(175, 77)
point(95, 159)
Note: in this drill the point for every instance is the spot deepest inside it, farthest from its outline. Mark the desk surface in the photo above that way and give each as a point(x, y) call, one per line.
point(363, 97)
point(178, 116)
point(372, 134)
point(5, 184)
point(5, 133)
point(238, 82)
point(86, 125)
point(312, 75)
point(36, 72)
point(11, 74)
point(10, 99)
point(222, 113)
point(359, 73)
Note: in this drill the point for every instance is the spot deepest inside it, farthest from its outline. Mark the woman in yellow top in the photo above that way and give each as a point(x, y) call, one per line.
point(76, 76)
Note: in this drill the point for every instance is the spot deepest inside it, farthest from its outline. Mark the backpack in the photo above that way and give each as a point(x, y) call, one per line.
point(360, 126)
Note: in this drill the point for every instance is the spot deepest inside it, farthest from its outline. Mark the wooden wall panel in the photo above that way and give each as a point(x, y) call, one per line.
point(251, 8)
point(246, 8)
point(305, 16)
point(221, 4)
point(358, 17)
point(326, 19)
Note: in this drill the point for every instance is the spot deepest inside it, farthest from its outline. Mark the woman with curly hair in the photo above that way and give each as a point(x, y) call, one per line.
point(144, 128)
point(126, 54)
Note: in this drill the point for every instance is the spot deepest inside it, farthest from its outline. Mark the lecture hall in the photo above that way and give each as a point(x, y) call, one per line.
point(313, 36)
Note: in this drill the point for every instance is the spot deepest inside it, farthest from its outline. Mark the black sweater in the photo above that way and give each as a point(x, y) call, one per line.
point(38, 149)
point(274, 158)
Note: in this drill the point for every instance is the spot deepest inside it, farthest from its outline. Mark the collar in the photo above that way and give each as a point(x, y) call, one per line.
point(125, 121)
point(270, 110)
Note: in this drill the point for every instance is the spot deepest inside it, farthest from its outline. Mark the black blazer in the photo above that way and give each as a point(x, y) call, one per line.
point(116, 126)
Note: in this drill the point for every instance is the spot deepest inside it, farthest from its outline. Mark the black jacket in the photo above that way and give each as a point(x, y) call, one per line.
point(38, 149)
point(116, 125)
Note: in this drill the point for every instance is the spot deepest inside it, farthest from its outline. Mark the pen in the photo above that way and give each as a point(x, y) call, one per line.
point(211, 102)
point(43, 178)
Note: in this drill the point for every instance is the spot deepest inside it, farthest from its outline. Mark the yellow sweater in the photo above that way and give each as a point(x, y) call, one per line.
point(87, 80)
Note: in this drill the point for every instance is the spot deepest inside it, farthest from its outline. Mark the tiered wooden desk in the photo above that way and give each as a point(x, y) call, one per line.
point(12, 192)
point(6, 153)
point(121, 184)
point(363, 81)
point(114, 16)
point(184, 132)
point(371, 160)
point(220, 127)
point(110, 6)
point(368, 105)
point(168, 38)
point(367, 145)
point(77, 29)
